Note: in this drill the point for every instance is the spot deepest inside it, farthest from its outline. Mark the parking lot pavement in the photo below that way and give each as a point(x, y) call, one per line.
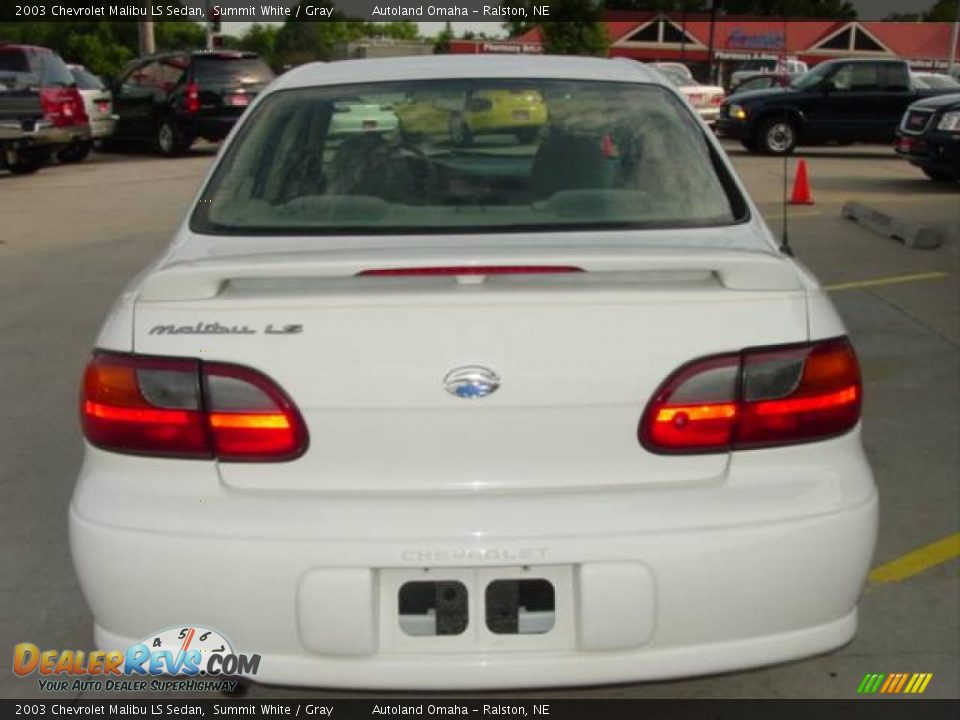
point(72, 236)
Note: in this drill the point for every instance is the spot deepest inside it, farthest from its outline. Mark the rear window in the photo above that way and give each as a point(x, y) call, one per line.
point(231, 68)
point(468, 156)
point(85, 79)
point(53, 70)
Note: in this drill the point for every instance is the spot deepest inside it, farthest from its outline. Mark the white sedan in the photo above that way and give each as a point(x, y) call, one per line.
point(706, 99)
point(396, 414)
point(353, 116)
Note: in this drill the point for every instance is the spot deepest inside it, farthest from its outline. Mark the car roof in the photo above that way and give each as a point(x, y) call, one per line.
point(21, 46)
point(426, 67)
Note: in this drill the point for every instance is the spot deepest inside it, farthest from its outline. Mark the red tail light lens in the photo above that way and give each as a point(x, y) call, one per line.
point(63, 107)
point(193, 98)
point(471, 270)
point(756, 398)
point(717, 99)
point(185, 408)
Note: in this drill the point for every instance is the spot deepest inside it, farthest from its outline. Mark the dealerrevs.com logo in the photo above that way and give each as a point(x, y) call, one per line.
point(186, 653)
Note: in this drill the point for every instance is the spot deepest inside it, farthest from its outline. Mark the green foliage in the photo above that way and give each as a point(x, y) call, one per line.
point(103, 47)
point(942, 11)
point(261, 39)
point(582, 32)
point(441, 43)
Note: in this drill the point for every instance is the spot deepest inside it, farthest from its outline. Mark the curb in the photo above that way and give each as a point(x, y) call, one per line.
point(914, 235)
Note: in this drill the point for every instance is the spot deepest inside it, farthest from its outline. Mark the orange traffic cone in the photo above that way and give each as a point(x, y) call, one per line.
point(801, 186)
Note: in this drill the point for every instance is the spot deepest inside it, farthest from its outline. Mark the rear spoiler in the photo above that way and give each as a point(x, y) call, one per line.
point(205, 279)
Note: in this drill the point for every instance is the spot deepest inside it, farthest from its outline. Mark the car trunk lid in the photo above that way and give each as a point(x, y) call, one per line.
point(578, 355)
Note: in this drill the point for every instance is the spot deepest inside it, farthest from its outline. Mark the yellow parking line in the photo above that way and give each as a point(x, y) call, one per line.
point(885, 281)
point(913, 563)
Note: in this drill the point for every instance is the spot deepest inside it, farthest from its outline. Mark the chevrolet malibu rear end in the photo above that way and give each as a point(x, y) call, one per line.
point(399, 413)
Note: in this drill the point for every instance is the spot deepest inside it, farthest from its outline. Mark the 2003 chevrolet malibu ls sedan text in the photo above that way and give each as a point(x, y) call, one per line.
point(395, 411)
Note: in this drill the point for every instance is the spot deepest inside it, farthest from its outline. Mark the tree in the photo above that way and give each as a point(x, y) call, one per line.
point(519, 25)
point(942, 11)
point(261, 39)
point(582, 31)
point(441, 43)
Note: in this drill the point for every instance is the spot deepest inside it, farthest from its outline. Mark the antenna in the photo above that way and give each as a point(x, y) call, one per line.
point(785, 237)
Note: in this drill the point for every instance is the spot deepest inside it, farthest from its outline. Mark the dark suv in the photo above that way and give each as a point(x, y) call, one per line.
point(173, 98)
point(929, 137)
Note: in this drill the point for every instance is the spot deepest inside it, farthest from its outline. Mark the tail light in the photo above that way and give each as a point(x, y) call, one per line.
point(717, 99)
point(193, 98)
point(63, 107)
point(186, 408)
point(760, 397)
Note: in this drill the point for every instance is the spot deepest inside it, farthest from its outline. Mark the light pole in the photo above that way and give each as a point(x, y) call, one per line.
point(952, 60)
point(145, 32)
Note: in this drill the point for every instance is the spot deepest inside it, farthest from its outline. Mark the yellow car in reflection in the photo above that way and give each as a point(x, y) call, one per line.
point(516, 112)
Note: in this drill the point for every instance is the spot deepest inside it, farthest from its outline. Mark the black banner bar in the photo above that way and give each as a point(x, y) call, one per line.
point(867, 709)
point(472, 11)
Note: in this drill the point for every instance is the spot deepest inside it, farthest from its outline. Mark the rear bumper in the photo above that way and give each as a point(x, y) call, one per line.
point(662, 600)
point(102, 127)
point(13, 135)
point(209, 127)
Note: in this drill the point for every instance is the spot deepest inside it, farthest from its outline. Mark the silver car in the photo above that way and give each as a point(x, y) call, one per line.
point(98, 103)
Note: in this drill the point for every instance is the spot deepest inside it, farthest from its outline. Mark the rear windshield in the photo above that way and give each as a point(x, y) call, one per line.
point(469, 156)
point(21, 67)
point(231, 68)
point(86, 80)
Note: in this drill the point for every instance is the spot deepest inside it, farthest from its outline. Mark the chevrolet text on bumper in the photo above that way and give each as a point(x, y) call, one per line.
point(395, 413)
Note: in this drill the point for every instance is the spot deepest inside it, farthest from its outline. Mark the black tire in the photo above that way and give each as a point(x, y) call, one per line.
point(940, 176)
point(525, 136)
point(74, 153)
point(25, 165)
point(460, 132)
point(169, 140)
point(777, 136)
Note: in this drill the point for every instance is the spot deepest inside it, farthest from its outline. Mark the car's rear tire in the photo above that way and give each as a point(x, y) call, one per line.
point(24, 165)
point(169, 140)
point(74, 153)
point(940, 175)
point(777, 136)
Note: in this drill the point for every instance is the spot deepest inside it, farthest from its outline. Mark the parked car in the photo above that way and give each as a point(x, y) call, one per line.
point(934, 80)
point(774, 65)
point(41, 110)
point(707, 99)
point(355, 115)
point(515, 415)
point(520, 112)
point(173, 98)
point(929, 137)
point(763, 81)
point(98, 104)
point(839, 101)
point(674, 67)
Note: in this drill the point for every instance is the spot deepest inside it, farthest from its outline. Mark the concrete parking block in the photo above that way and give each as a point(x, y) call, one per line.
point(912, 234)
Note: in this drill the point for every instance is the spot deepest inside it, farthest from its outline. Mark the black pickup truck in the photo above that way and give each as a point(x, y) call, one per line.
point(41, 110)
point(839, 101)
